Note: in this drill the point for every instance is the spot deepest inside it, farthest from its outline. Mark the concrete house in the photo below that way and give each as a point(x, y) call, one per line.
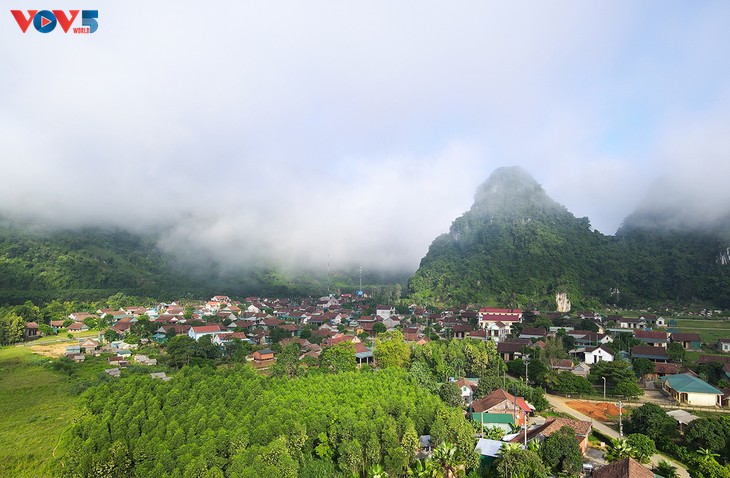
point(687, 389)
point(688, 341)
point(598, 354)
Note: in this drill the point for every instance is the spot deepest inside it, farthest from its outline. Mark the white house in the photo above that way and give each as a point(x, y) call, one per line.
point(598, 354)
point(385, 311)
point(691, 390)
point(201, 330)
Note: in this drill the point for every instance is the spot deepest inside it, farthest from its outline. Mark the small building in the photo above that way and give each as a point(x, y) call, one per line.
point(263, 355)
point(77, 327)
point(31, 331)
point(500, 401)
point(652, 337)
point(533, 333)
point(582, 430)
point(511, 349)
point(363, 355)
point(624, 468)
point(488, 450)
point(655, 354)
point(688, 389)
point(199, 331)
point(683, 417)
point(504, 421)
point(467, 386)
point(688, 341)
point(723, 345)
point(113, 372)
point(602, 353)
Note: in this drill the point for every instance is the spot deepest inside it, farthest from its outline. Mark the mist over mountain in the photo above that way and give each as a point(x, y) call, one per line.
point(517, 246)
point(41, 263)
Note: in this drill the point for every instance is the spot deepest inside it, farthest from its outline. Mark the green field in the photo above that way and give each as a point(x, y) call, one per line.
point(37, 405)
point(710, 330)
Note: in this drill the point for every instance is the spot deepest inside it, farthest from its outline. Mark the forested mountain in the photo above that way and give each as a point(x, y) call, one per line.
point(94, 263)
point(517, 246)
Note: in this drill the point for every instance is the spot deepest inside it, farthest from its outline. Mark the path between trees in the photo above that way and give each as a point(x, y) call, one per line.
point(559, 404)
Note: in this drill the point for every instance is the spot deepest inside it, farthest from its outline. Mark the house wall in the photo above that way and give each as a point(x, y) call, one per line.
point(701, 399)
point(597, 356)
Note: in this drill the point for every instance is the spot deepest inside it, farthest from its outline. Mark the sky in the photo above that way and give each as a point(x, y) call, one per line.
point(356, 132)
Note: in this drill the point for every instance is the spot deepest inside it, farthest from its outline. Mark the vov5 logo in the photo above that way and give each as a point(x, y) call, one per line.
point(45, 21)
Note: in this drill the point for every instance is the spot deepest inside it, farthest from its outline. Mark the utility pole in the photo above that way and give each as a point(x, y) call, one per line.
point(604, 387)
point(620, 420)
point(527, 361)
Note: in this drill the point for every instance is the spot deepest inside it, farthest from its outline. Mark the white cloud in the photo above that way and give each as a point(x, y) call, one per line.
point(359, 130)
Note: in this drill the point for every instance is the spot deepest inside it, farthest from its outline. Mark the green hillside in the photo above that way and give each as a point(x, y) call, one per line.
point(516, 246)
point(93, 263)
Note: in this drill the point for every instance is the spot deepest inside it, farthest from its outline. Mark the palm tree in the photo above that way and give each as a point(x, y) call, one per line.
point(423, 469)
point(377, 471)
point(707, 454)
point(665, 469)
point(617, 450)
point(509, 448)
point(493, 433)
point(447, 460)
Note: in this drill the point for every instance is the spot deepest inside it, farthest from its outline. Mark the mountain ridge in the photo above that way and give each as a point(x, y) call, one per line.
point(516, 245)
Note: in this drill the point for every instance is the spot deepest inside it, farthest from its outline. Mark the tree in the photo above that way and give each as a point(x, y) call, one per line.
point(379, 328)
point(709, 434)
point(287, 362)
point(566, 382)
point(339, 358)
point(561, 452)
point(628, 388)
point(642, 447)
point(351, 459)
point(422, 375)
point(513, 461)
point(29, 312)
point(665, 469)
point(180, 351)
point(391, 350)
point(447, 459)
point(618, 450)
point(676, 352)
point(643, 367)
point(450, 393)
point(12, 328)
point(615, 372)
point(651, 420)
point(377, 471)
point(708, 467)
point(111, 335)
point(278, 334)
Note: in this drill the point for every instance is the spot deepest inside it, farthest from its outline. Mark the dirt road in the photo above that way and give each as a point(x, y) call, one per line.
point(559, 404)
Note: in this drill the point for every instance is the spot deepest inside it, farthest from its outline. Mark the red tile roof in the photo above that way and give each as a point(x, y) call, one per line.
point(625, 468)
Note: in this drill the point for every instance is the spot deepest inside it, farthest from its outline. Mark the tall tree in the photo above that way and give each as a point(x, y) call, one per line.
point(391, 350)
point(560, 452)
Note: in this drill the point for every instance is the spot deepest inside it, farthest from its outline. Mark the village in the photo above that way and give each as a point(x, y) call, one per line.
point(500, 418)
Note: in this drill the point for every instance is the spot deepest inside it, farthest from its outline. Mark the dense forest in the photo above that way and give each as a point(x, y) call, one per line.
point(517, 246)
point(234, 422)
point(91, 264)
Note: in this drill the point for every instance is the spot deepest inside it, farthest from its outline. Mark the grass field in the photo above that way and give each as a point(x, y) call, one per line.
point(37, 405)
point(710, 330)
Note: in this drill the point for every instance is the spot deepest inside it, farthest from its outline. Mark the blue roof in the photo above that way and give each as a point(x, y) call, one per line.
point(685, 382)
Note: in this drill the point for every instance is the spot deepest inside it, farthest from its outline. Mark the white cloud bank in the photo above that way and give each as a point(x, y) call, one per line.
point(358, 129)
